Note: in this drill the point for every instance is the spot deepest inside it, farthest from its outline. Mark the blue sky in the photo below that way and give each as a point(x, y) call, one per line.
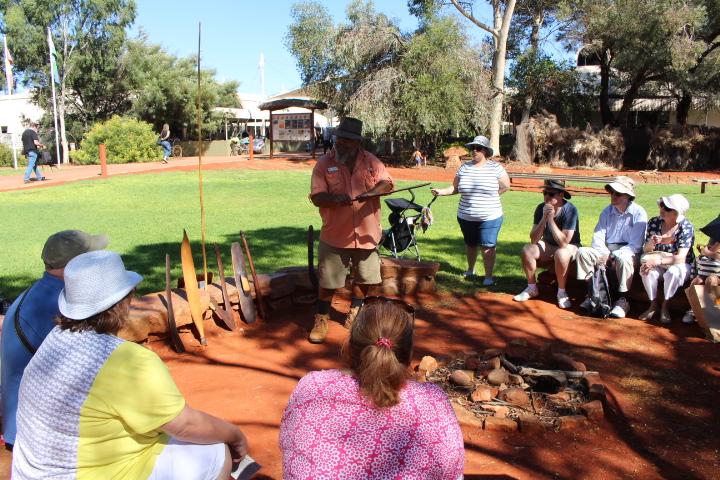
point(236, 32)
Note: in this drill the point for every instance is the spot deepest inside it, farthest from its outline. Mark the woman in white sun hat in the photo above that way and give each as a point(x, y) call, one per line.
point(95, 406)
point(668, 254)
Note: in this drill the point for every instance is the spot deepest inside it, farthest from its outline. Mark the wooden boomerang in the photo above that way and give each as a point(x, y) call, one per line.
point(390, 193)
point(258, 295)
point(247, 307)
point(174, 335)
point(191, 286)
point(226, 313)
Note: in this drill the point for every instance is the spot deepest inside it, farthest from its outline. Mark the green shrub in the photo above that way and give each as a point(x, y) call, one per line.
point(6, 157)
point(126, 141)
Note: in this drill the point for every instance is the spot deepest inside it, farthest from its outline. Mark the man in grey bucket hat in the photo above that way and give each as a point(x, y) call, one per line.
point(341, 181)
point(35, 311)
point(617, 242)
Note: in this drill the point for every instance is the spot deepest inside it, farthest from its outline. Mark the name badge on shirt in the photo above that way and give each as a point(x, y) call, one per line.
point(332, 169)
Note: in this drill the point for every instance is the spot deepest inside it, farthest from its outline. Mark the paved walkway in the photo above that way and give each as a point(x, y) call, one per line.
point(74, 173)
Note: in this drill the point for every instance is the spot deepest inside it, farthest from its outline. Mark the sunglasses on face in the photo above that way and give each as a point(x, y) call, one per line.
point(665, 207)
point(614, 193)
point(377, 299)
point(476, 148)
point(550, 193)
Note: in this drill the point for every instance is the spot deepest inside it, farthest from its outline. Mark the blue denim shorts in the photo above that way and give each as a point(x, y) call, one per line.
point(481, 234)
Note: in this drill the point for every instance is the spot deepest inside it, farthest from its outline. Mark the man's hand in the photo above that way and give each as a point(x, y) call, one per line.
point(712, 281)
point(548, 211)
point(343, 199)
point(238, 450)
point(603, 260)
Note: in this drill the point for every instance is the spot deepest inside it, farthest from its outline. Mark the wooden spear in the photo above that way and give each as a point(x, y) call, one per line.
point(200, 169)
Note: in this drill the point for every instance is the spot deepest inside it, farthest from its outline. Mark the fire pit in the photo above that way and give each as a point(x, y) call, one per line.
point(517, 388)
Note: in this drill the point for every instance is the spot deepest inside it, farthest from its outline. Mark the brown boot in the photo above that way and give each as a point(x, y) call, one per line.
point(319, 331)
point(351, 317)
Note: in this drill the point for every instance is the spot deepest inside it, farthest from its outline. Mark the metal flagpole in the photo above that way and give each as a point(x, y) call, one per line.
point(51, 48)
point(8, 77)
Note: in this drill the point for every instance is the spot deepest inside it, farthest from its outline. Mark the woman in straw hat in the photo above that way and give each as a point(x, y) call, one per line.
point(668, 254)
point(95, 406)
point(369, 421)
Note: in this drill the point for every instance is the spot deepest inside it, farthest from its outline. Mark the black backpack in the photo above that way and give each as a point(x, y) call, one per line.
point(599, 294)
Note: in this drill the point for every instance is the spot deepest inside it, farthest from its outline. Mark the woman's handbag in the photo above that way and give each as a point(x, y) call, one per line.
point(656, 255)
point(159, 140)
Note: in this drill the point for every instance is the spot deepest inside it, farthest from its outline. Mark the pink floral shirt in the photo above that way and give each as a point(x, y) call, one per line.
point(329, 431)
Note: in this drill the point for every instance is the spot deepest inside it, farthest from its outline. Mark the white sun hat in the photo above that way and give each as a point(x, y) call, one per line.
point(94, 282)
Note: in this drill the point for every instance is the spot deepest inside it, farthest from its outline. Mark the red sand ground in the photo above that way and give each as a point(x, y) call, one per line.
point(662, 381)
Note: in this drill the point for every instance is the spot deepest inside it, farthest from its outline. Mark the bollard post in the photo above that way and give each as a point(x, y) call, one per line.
point(103, 161)
point(252, 150)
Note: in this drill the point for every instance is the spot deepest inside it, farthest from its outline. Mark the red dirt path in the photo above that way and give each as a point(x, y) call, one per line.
point(662, 381)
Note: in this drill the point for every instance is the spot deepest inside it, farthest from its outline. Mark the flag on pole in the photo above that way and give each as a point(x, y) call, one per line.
point(8, 68)
point(53, 60)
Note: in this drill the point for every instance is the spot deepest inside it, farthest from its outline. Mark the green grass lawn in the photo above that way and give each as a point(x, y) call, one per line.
point(145, 215)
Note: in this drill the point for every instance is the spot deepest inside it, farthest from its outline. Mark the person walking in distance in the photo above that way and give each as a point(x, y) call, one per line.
point(31, 143)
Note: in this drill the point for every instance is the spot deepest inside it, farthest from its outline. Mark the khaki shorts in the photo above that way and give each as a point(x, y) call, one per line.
point(333, 265)
point(547, 251)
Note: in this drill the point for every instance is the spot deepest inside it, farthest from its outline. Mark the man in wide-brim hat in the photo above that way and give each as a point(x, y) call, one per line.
point(351, 231)
point(555, 236)
point(617, 242)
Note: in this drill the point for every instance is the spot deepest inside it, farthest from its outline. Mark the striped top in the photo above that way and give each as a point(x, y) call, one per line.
point(478, 188)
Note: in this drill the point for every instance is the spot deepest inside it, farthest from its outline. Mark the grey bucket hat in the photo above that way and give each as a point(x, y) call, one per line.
point(483, 142)
point(94, 282)
point(349, 127)
point(63, 246)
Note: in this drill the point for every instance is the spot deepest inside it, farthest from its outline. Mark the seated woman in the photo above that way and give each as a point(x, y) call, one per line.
point(673, 234)
point(708, 270)
point(370, 421)
point(95, 406)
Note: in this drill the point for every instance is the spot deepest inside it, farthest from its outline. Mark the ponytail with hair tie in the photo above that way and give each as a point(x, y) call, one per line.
point(383, 342)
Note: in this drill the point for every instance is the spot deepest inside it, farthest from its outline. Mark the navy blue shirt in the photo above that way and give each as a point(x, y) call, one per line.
point(37, 315)
point(567, 219)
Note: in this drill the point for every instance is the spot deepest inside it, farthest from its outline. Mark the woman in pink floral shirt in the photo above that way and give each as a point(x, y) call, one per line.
point(370, 422)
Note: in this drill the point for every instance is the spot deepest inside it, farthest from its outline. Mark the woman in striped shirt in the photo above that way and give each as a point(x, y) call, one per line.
point(480, 184)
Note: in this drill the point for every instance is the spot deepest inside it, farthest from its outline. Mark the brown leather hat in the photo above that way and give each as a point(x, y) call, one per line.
point(557, 185)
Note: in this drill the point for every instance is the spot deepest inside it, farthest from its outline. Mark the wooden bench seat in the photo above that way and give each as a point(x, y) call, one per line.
point(565, 178)
point(704, 181)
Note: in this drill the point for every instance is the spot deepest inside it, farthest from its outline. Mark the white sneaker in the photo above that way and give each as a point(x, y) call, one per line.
point(585, 305)
point(488, 281)
point(689, 318)
point(526, 295)
point(620, 309)
point(564, 301)
point(469, 273)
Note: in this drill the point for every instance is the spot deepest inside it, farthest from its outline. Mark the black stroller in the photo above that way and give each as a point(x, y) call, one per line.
point(405, 219)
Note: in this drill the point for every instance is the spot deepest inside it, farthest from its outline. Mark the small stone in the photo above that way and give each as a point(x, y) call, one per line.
point(517, 349)
point(458, 377)
point(443, 360)
point(466, 417)
point(560, 397)
point(483, 393)
point(572, 423)
point(472, 363)
point(544, 354)
point(465, 354)
point(470, 373)
point(593, 410)
point(595, 386)
point(484, 373)
point(429, 364)
point(515, 379)
point(492, 408)
point(501, 412)
point(500, 424)
point(502, 387)
point(530, 424)
point(493, 363)
point(497, 376)
point(514, 395)
point(492, 352)
point(564, 362)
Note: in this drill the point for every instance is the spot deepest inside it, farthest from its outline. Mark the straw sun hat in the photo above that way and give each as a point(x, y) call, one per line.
point(94, 282)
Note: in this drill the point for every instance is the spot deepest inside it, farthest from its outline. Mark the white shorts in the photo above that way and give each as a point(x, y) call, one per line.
point(189, 461)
